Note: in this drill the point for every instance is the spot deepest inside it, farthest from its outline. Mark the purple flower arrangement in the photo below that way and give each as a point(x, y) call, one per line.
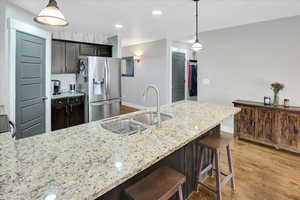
point(276, 87)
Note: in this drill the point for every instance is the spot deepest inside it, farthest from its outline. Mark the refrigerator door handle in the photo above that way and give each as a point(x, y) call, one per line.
point(106, 78)
point(99, 103)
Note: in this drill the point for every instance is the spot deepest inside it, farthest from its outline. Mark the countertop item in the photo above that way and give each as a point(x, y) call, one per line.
point(260, 104)
point(86, 161)
point(67, 95)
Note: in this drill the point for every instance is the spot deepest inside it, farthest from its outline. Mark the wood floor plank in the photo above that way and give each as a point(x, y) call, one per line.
point(262, 173)
point(126, 109)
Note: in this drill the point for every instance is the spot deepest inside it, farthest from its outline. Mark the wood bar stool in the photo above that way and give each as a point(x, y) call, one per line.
point(215, 143)
point(162, 184)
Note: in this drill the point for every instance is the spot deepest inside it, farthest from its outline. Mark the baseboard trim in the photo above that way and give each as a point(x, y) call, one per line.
point(139, 107)
point(227, 129)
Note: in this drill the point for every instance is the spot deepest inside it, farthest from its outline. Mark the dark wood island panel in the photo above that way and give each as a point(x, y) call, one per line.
point(183, 160)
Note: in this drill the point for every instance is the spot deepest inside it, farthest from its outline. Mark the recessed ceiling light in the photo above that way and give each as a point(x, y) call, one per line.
point(156, 12)
point(119, 26)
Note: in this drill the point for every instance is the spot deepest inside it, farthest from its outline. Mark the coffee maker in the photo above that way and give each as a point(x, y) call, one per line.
point(56, 87)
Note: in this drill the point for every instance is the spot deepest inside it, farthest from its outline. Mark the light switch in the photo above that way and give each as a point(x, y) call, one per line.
point(206, 81)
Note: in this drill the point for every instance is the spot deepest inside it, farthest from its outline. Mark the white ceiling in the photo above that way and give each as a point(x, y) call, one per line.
point(176, 23)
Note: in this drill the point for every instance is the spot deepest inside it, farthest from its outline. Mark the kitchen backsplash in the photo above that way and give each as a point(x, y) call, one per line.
point(65, 79)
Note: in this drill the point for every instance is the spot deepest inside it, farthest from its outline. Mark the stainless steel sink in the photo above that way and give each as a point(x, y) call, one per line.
point(123, 126)
point(151, 118)
point(137, 123)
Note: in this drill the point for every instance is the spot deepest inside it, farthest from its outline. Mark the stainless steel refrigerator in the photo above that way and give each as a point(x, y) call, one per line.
point(100, 80)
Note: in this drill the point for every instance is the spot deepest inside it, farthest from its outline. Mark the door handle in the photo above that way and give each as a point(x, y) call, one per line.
point(13, 129)
point(44, 98)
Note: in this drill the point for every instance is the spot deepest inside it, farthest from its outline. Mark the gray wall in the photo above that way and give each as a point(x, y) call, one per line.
point(242, 62)
point(153, 69)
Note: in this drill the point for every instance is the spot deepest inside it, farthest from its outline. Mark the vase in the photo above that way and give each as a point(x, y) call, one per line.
point(276, 99)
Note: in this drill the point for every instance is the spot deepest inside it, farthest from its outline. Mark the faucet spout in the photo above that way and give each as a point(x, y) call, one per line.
point(155, 88)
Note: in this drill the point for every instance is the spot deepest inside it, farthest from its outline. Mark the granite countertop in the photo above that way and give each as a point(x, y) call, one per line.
point(86, 161)
point(67, 95)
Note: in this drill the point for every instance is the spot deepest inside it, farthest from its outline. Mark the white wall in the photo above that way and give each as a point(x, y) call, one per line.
point(152, 69)
point(242, 62)
point(3, 69)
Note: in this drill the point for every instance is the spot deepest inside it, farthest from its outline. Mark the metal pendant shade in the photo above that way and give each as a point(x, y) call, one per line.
point(197, 46)
point(51, 15)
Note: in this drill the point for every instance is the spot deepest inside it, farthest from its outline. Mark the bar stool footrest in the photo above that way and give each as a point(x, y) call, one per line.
point(228, 177)
point(209, 167)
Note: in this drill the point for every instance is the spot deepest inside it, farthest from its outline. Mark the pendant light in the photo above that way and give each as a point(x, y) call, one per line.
point(51, 15)
point(197, 46)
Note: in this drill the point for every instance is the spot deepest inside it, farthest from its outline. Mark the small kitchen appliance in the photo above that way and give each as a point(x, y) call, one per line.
point(72, 88)
point(56, 87)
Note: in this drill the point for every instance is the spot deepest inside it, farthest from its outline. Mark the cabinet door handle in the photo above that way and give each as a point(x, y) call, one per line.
point(67, 110)
point(71, 108)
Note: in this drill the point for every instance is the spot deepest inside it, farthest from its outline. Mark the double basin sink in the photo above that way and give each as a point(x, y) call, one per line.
point(137, 123)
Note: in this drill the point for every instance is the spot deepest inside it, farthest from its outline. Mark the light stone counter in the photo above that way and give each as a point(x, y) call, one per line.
point(86, 161)
point(67, 95)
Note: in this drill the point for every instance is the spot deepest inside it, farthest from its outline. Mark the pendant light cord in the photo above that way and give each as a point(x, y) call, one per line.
point(197, 5)
point(52, 3)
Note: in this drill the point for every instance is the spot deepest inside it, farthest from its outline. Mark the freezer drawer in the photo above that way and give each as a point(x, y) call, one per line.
point(104, 109)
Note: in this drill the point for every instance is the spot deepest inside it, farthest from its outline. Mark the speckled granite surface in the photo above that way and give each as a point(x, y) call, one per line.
point(67, 95)
point(86, 161)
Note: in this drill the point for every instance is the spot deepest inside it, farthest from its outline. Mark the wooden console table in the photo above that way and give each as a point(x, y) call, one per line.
point(277, 126)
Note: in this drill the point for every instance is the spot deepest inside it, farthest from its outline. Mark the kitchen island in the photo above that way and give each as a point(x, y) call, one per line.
point(87, 162)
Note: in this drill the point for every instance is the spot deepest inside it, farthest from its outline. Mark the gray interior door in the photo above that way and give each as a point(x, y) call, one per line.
point(30, 85)
point(178, 76)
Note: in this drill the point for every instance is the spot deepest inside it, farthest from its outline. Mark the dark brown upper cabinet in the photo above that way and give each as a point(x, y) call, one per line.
point(72, 54)
point(58, 57)
point(65, 54)
point(105, 51)
point(88, 50)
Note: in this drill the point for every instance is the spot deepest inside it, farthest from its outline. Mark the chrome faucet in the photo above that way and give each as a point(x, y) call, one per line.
point(157, 101)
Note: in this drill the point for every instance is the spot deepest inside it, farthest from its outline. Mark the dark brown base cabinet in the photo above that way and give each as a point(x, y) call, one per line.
point(278, 126)
point(67, 112)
